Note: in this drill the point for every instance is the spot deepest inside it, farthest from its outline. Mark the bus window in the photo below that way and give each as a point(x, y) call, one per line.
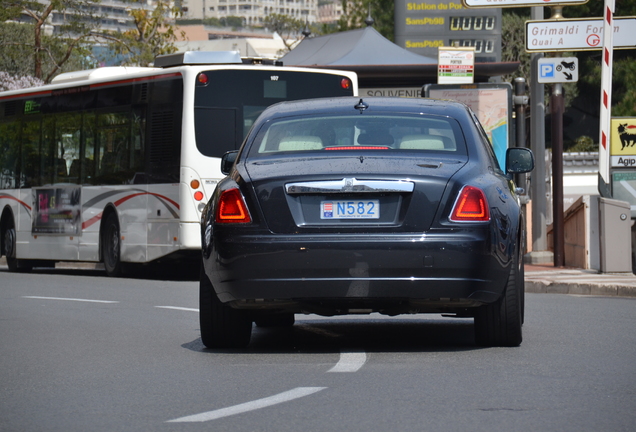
point(31, 167)
point(87, 155)
point(47, 165)
point(9, 152)
point(113, 147)
point(68, 135)
point(217, 130)
point(137, 147)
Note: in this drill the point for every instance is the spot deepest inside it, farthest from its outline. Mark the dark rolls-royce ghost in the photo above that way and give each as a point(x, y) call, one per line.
point(348, 205)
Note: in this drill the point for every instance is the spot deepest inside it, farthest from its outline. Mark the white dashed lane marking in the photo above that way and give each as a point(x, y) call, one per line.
point(178, 308)
point(249, 406)
point(349, 362)
point(69, 299)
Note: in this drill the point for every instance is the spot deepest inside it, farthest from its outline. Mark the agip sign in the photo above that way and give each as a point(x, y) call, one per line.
point(623, 142)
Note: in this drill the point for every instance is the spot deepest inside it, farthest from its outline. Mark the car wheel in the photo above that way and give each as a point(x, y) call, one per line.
point(111, 246)
point(221, 325)
point(522, 290)
point(499, 324)
point(9, 242)
point(276, 320)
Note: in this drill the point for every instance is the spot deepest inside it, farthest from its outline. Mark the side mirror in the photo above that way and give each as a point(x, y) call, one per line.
point(227, 161)
point(519, 160)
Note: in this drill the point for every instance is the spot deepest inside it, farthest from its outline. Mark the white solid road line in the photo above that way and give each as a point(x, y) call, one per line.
point(178, 308)
point(349, 362)
point(250, 406)
point(69, 299)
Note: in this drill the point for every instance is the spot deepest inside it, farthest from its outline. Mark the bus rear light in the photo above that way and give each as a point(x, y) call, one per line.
point(202, 78)
point(198, 195)
point(471, 206)
point(345, 83)
point(231, 208)
point(194, 184)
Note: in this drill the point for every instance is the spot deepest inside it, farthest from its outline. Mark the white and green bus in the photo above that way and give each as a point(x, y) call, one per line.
point(115, 164)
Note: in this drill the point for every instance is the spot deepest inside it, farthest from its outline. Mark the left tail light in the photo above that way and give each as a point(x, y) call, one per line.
point(231, 208)
point(471, 206)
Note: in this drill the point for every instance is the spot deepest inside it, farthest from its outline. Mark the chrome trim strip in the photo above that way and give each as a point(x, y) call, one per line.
point(349, 185)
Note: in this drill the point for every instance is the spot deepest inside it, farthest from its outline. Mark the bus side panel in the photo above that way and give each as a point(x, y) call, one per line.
point(129, 203)
point(163, 220)
point(29, 245)
point(92, 213)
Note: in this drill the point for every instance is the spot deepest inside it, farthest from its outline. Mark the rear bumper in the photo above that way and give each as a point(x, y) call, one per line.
point(422, 272)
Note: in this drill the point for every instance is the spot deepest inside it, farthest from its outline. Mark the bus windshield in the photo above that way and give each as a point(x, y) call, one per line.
point(227, 102)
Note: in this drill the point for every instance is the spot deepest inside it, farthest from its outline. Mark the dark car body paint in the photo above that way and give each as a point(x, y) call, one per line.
point(420, 263)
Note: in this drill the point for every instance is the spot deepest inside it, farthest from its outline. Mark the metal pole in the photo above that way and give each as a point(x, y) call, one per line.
point(537, 144)
point(556, 111)
point(520, 101)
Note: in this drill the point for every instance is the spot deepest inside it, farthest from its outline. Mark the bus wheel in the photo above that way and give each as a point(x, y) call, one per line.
point(9, 242)
point(111, 246)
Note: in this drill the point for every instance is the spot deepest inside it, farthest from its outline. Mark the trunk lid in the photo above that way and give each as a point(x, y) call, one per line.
point(350, 194)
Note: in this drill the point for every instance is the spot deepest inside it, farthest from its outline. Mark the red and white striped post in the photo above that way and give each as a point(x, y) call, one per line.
point(606, 97)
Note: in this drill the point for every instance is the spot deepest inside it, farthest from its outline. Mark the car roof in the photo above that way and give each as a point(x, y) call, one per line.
point(347, 105)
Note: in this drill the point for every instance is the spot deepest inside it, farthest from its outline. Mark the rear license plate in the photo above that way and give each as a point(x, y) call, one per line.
point(354, 209)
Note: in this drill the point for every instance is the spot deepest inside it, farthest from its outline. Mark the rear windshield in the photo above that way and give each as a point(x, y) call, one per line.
point(371, 133)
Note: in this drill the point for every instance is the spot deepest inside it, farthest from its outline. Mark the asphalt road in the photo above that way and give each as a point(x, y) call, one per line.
point(81, 352)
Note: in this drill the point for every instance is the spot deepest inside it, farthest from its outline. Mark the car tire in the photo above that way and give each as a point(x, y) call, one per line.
point(111, 246)
point(221, 325)
point(9, 240)
point(276, 320)
point(499, 324)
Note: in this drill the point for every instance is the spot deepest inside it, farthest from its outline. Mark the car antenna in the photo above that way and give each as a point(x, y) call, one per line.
point(361, 106)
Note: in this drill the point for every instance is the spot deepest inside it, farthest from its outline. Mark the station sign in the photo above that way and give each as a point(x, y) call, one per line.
point(422, 26)
point(520, 3)
point(578, 34)
point(558, 70)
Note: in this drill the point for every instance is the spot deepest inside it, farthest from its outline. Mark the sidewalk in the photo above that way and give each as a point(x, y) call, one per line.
point(548, 279)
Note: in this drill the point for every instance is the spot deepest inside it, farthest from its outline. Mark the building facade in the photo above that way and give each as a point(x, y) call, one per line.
point(253, 12)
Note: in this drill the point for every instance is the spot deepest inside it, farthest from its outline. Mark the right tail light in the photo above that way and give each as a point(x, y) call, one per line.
point(471, 206)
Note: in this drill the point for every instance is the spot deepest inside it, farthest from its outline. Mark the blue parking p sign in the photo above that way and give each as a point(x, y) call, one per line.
point(546, 70)
point(558, 70)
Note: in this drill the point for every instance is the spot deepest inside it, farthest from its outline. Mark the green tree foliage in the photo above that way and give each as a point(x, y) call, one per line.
point(33, 48)
point(16, 40)
point(288, 28)
point(232, 21)
point(154, 34)
point(12, 82)
point(229, 21)
point(513, 41)
point(355, 12)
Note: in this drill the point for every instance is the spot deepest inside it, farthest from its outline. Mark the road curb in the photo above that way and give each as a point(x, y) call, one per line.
point(580, 288)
